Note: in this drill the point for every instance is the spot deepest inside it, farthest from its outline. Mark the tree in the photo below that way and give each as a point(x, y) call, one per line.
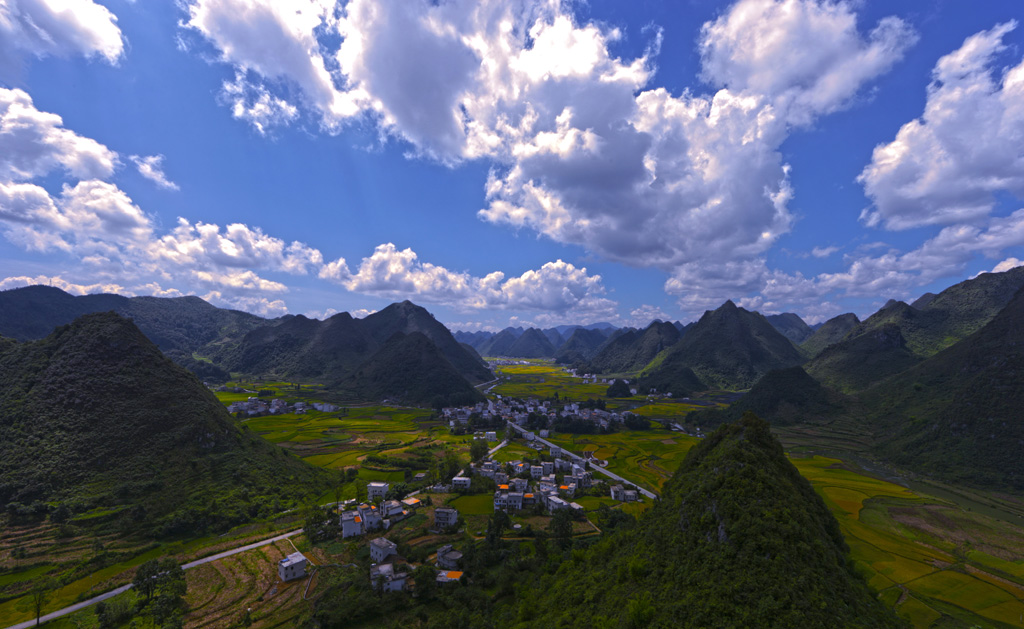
point(619, 388)
point(561, 527)
point(145, 578)
point(40, 595)
point(478, 449)
point(496, 526)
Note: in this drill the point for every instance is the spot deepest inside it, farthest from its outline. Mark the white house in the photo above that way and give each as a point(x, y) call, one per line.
point(445, 517)
point(381, 548)
point(461, 482)
point(376, 490)
point(292, 567)
point(351, 524)
point(389, 580)
point(618, 493)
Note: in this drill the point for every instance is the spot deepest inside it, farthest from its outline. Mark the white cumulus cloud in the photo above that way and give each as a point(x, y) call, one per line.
point(152, 168)
point(946, 166)
point(60, 28)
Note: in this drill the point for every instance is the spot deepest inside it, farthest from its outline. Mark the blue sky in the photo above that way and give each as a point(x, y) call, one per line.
point(529, 162)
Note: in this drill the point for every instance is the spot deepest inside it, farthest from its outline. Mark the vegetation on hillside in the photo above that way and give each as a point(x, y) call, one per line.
point(94, 417)
point(738, 538)
point(729, 348)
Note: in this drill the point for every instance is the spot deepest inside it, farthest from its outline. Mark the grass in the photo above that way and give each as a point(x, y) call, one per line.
point(479, 504)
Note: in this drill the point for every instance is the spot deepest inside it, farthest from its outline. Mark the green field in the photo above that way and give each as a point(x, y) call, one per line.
point(339, 440)
point(903, 542)
point(645, 457)
point(544, 381)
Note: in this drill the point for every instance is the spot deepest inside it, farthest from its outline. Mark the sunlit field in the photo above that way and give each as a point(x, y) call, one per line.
point(925, 557)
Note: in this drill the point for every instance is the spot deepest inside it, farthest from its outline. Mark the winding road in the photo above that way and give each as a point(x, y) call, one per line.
point(649, 494)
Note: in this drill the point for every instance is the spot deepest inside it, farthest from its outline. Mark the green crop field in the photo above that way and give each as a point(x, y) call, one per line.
point(544, 381)
point(343, 439)
point(645, 457)
point(904, 542)
point(479, 504)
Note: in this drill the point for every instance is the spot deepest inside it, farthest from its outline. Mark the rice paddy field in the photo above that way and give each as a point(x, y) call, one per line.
point(543, 381)
point(645, 457)
point(345, 438)
point(937, 564)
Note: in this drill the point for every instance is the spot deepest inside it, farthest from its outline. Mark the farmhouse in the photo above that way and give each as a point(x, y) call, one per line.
point(448, 558)
point(445, 517)
point(382, 548)
point(292, 567)
point(385, 577)
point(461, 482)
point(376, 490)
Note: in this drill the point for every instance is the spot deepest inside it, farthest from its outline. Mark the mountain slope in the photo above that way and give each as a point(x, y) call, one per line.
point(531, 344)
point(179, 326)
point(958, 414)
point(581, 345)
point(499, 344)
point(738, 539)
point(634, 349)
point(94, 416)
point(728, 348)
point(791, 326)
point(863, 358)
point(952, 315)
point(411, 368)
point(830, 332)
point(782, 397)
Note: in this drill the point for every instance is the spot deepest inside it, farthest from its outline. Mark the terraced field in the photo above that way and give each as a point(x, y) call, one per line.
point(219, 593)
point(931, 560)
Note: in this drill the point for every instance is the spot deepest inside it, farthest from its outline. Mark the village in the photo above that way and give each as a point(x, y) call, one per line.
point(542, 486)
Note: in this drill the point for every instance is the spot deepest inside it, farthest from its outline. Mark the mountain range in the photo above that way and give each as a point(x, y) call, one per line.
point(214, 342)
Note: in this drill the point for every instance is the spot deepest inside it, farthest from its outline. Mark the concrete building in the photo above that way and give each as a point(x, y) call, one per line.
point(381, 548)
point(445, 517)
point(385, 577)
point(448, 558)
point(292, 567)
point(376, 489)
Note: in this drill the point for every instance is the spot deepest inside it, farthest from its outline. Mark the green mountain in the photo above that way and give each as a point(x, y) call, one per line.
point(94, 417)
point(738, 539)
point(581, 346)
point(950, 316)
point(411, 367)
point(331, 350)
point(958, 414)
point(866, 356)
point(783, 397)
point(531, 344)
point(179, 326)
point(729, 348)
point(632, 350)
point(498, 345)
point(791, 326)
point(830, 332)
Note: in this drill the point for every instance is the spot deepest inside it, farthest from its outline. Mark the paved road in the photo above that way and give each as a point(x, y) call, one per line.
point(124, 588)
point(595, 468)
point(497, 447)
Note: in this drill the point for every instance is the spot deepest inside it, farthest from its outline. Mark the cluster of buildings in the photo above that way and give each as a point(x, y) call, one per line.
point(522, 485)
point(518, 412)
point(256, 406)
